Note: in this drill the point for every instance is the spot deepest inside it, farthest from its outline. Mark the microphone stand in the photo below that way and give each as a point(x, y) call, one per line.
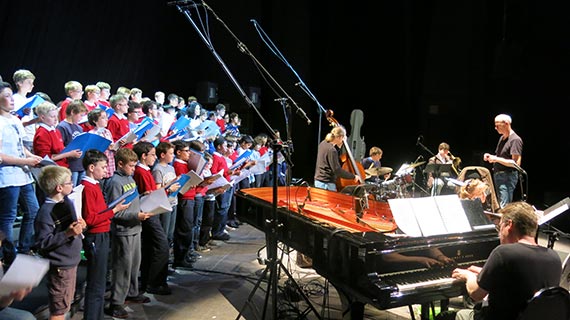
point(272, 224)
point(244, 49)
point(265, 38)
point(419, 143)
point(523, 176)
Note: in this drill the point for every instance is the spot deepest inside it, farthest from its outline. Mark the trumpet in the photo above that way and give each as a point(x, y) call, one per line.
point(455, 162)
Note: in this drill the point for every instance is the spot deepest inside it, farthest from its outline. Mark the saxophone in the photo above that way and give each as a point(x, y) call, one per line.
point(455, 163)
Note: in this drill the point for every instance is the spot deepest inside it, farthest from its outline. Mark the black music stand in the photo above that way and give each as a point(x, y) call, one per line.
point(436, 169)
point(549, 214)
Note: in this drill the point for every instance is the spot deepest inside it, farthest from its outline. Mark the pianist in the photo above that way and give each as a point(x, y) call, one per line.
point(514, 271)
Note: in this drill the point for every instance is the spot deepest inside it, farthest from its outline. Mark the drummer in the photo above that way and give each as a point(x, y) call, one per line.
point(373, 162)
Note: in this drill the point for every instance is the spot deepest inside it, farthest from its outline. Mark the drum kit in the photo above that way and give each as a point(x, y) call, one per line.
point(397, 186)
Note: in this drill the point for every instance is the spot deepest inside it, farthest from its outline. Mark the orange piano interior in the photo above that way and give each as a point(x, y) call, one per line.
point(336, 209)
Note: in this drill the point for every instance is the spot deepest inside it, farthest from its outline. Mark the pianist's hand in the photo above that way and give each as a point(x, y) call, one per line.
point(462, 274)
point(428, 262)
point(475, 269)
point(445, 259)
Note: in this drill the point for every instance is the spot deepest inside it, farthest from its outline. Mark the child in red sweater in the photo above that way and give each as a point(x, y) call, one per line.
point(47, 139)
point(154, 264)
point(118, 123)
point(184, 257)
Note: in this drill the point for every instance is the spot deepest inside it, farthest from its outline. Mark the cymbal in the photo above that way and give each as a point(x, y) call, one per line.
point(417, 164)
point(378, 171)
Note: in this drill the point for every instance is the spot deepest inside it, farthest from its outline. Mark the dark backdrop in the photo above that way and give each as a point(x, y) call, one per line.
point(433, 68)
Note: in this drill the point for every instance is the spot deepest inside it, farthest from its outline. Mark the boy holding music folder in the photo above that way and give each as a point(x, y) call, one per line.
point(96, 244)
point(58, 238)
point(126, 236)
point(184, 227)
point(154, 266)
point(164, 175)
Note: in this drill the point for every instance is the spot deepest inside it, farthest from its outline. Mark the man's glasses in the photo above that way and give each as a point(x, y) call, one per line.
point(500, 224)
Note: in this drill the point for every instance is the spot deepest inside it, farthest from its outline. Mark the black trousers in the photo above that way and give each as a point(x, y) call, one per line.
point(154, 247)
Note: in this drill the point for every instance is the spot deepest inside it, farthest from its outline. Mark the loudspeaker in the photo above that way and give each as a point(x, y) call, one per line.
point(254, 94)
point(207, 92)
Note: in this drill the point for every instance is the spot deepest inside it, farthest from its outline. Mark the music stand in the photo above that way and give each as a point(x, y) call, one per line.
point(549, 214)
point(436, 169)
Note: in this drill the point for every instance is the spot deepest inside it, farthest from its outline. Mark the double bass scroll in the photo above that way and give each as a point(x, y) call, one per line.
point(349, 164)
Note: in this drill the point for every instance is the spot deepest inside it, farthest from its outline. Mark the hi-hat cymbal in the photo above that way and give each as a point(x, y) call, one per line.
point(378, 171)
point(417, 164)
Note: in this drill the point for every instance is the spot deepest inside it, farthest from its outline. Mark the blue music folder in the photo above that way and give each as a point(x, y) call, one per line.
point(241, 159)
point(108, 110)
point(128, 196)
point(180, 124)
point(145, 125)
point(32, 103)
point(87, 141)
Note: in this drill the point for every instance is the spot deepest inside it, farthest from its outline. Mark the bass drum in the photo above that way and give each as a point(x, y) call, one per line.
point(565, 278)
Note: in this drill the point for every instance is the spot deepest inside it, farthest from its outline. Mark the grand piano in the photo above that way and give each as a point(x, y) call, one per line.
point(358, 249)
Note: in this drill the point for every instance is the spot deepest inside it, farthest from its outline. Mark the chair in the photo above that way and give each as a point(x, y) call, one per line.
point(550, 303)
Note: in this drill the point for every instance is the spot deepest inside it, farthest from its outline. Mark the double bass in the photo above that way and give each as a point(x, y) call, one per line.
point(347, 159)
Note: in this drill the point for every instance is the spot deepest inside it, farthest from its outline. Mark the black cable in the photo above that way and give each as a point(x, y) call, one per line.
point(239, 275)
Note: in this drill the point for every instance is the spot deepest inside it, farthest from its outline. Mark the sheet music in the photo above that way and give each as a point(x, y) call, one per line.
point(188, 180)
point(428, 216)
point(76, 198)
point(267, 157)
point(127, 138)
point(405, 218)
point(156, 202)
point(221, 182)
point(554, 211)
point(196, 161)
point(47, 161)
point(452, 213)
point(25, 272)
point(258, 168)
point(151, 133)
point(210, 179)
point(243, 174)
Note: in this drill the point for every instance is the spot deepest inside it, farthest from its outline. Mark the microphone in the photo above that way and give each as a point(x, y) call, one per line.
point(365, 200)
point(308, 197)
point(521, 170)
point(420, 138)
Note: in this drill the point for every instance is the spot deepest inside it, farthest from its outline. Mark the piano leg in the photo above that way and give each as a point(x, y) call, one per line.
point(425, 309)
point(351, 309)
point(429, 306)
point(411, 310)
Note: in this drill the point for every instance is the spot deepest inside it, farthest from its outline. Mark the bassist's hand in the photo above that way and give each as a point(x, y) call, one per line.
point(357, 179)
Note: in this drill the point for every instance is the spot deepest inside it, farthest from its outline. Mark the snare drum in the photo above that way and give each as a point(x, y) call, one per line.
point(406, 178)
